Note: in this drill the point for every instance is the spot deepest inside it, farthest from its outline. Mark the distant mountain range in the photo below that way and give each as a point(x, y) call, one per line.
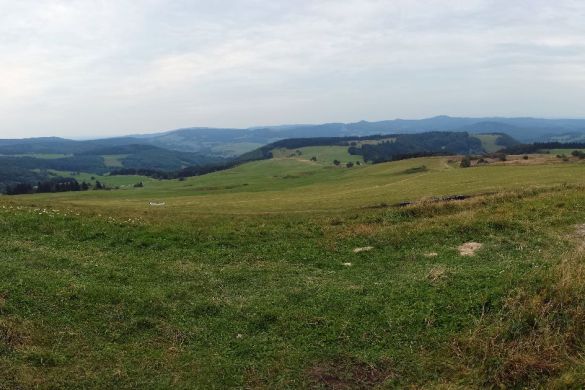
point(231, 142)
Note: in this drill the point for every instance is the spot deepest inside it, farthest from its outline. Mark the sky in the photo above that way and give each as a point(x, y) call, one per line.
point(114, 67)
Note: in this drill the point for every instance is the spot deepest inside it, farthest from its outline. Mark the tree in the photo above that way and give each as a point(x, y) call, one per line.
point(313, 158)
point(349, 164)
point(336, 162)
point(466, 162)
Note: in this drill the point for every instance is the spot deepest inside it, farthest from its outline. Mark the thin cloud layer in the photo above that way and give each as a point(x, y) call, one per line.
point(85, 68)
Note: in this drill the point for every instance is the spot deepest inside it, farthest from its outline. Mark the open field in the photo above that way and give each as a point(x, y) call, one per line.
point(324, 154)
point(114, 160)
point(488, 141)
point(290, 185)
point(111, 181)
point(250, 278)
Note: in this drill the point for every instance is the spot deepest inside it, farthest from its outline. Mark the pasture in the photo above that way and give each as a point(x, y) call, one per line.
point(250, 278)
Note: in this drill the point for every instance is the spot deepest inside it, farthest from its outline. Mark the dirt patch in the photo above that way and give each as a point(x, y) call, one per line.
point(437, 273)
point(363, 249)
point(580, 232)
point(431, 254)
point(350, 374)
point(469, 248)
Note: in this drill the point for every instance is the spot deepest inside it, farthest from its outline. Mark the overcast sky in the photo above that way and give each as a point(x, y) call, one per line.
point(99, 68)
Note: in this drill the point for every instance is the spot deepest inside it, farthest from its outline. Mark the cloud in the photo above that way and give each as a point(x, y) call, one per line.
point(84, 68)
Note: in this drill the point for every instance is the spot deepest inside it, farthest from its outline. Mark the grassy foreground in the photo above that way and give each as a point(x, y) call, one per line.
point(250, 279)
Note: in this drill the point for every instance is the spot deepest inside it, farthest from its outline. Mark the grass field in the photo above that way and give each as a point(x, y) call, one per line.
point(114, 161)
point(489, 142)
point(110, 181)
point(250, 278)
point(325, 154)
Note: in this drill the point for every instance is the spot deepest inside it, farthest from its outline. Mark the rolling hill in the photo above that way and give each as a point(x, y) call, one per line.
point(288, 272)
point(233, 142)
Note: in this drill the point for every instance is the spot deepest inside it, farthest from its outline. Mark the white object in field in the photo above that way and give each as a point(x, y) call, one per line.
point(155, 204)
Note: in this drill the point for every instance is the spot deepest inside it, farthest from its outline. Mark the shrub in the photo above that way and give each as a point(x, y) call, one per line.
point(466, 162)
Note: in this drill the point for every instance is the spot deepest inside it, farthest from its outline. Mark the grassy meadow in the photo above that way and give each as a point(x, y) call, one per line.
point(325, 155)
point(290, 273)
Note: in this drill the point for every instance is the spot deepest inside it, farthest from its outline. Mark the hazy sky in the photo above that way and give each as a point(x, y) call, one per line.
point(96, 68)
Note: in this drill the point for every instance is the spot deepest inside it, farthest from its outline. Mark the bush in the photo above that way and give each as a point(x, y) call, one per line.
point(466, 162)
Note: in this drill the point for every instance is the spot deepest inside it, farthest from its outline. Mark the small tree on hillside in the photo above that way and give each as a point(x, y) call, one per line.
point(336, 162)
point(349, 164)
point(466, 162)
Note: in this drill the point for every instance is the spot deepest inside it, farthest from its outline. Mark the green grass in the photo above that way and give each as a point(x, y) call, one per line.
point(114, 161)
point(291, 185)
point(489, 142)
point(325, 154)
point(235, 149)
point(248, 279)
point(109, 181)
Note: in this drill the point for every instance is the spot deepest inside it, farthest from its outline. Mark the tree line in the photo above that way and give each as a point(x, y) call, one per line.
point(51, 186)
point(538, 146)
point(418, 145)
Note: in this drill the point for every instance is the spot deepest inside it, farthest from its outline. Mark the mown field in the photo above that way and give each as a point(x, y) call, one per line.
point(291, 274)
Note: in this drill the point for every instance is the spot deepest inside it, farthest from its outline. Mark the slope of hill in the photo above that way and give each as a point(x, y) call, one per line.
point(288, 273)
point(233, 142)
point(388, 147)
point(34, 167)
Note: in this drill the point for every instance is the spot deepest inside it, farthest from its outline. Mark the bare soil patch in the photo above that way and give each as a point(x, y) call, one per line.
point(437, 273)
point(469, 248)
point(349, 374)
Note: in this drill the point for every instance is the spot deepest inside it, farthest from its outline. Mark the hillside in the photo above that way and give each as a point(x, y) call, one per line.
point(381, 148)
point(229, 142)
point(277, 273)
point(35, 167)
